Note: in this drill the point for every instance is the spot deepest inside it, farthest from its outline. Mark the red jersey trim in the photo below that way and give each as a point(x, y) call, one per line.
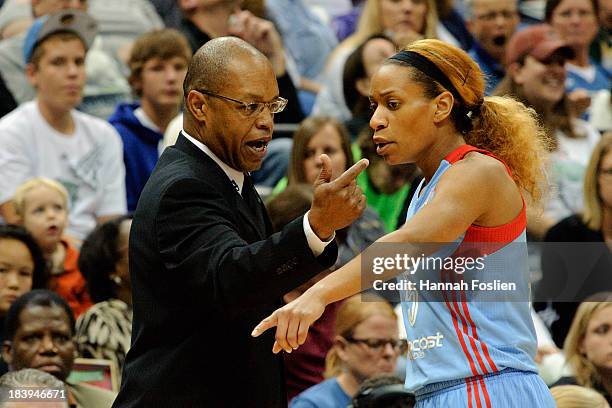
point(502, 233)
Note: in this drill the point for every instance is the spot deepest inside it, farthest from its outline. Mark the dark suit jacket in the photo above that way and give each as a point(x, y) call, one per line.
point(205, 270)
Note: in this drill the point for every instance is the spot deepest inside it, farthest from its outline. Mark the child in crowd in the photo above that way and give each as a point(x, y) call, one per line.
point(48, 137)
point(42, 207)
point(158, 64)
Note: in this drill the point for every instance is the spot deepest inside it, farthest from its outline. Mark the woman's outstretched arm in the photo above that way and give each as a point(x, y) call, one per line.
point(477, 192)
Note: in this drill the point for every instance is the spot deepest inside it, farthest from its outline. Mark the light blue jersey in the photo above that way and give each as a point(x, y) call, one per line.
point(461, 339)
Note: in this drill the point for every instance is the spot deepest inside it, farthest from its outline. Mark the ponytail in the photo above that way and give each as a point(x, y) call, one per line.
point(511, 131)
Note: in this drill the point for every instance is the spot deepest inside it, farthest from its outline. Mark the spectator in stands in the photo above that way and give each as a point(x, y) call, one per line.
point(121, 22)
point(403, 21)
point(106, 85)
point(315, 136)
point(536, 76)
point(452, 28)
point(588, 345)
point(15, 18)
point(492, 24)
point(574, 396)
point(169, 11)
point(158, 64)
point(104, 331)
point(590, 265)
point(601, 49)
point(22, 268)
point(359, 68)
point(31, 378)
point(577, 23)
point(42, 207)
point(208, 19)
point(39, 334)
point(344, 22)
point(308, 41)
point(366, 344)
point(48, 137)
point(388, 189)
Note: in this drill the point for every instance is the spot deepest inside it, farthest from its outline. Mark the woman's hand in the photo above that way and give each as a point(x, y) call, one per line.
point(292, 321)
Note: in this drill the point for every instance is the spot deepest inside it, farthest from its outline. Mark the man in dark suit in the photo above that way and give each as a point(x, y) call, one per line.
point(205, 268)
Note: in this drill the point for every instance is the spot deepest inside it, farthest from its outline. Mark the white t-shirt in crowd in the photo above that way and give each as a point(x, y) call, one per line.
point(567, 168)
point(89, 163)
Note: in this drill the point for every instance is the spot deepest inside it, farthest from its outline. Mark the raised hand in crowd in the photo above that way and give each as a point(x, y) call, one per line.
point(262, 35)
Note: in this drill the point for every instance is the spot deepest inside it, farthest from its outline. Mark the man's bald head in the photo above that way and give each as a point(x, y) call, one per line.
point(213, 62)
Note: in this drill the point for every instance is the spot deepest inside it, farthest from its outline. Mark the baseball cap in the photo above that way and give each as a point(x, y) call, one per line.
point(72, 21)
point(539, 41)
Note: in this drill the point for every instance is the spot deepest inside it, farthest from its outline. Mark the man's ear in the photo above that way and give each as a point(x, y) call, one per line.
point(515, 70)
point(197, 106)
point(7, 348)
point(30, 71)
point(340, 344)
point(444, 106)
point(136, 84)
point(363, 86)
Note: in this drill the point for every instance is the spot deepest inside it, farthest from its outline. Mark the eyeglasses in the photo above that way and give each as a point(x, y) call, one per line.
point(253, 108)
point(378, 345)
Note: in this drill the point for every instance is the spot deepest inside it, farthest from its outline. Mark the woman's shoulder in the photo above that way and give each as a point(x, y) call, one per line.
point(326, 394)
point(479, 170)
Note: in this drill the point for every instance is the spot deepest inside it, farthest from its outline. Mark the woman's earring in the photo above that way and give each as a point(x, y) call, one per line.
point(117, 280)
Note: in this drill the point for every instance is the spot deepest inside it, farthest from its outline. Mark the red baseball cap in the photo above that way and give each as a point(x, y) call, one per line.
point(539, 41)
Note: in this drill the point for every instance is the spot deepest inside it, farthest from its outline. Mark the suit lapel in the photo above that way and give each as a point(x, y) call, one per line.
point(257, 218)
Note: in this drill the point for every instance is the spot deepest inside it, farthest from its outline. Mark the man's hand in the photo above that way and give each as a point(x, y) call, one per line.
point(579, 101)
point(292, 321)
point(336, 204)
point(262, 35)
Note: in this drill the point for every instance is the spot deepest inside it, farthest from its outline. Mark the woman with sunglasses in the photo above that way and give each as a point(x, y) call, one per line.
point(366, 345)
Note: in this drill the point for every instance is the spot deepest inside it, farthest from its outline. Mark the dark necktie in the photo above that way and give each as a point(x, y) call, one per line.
point(252, 200)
